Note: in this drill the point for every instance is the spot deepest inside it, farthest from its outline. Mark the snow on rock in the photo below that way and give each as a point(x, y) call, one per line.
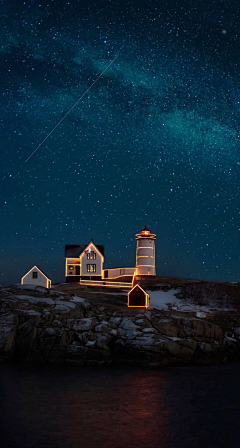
point(104, 327)
point(103, 337)
point(130, 334)
point(90, 343)
point(128, 324)
point(144, 340)
point(78, 299)
point(30, 313)
point(139, 321)
point(50, 331)
point(35, 299)
point(84, 324)
point(149, 330)
point(61, 307)
point(161, 299)
point(115, 320)
point(201, 314)
point(165, 300)
point(64, 306)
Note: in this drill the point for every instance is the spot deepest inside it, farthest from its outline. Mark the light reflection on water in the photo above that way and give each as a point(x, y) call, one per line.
point(119, 407)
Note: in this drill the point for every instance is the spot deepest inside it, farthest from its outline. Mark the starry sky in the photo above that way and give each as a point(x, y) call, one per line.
point(154, 142)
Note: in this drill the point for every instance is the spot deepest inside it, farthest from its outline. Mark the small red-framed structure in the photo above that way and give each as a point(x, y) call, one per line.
point(138, 298)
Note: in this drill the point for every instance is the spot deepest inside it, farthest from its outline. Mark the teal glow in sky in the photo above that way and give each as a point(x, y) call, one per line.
point(154, 142)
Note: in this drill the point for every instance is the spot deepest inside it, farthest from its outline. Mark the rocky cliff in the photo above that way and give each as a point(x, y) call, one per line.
point(46, 326)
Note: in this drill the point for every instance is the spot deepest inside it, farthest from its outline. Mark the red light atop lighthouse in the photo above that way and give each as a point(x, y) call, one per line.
point(145, 231)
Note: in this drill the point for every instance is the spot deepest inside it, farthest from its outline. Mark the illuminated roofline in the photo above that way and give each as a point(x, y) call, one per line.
point(31, 270)
point(139, 287)
point(88, 247)
point(91, 244)
point(112, 269)
point(146, 265)
point(118, 276)
point(144, 247)
point(107, 285)
point(146, 298)
point(144, 256)
point(151, 236)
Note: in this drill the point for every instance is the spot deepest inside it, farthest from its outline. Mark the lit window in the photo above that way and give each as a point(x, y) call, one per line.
point(91, 268)
point(34, 275)
point(91, 255)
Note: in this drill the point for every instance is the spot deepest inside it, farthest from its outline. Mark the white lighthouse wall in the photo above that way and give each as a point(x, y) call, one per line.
point(145, 257)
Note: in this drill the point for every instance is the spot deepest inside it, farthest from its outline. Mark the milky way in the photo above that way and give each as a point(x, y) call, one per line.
point(154, 142)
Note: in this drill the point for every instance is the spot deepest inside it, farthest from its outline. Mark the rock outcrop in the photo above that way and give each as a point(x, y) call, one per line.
point(38, 325)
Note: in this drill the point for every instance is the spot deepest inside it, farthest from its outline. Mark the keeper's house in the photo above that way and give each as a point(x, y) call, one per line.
point(83, 262)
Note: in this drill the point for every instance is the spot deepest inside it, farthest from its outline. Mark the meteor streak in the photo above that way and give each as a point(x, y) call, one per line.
point(81, 97)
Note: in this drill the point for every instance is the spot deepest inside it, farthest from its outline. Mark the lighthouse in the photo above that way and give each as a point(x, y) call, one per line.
point(145, 255)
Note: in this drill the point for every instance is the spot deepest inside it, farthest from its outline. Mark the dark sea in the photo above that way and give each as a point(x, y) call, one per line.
point(119, 407)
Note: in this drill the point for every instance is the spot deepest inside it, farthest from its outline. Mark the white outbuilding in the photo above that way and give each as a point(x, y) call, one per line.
point(36, 277)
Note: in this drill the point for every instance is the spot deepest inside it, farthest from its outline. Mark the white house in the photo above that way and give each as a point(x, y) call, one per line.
point(36, 277)
point(83, 262)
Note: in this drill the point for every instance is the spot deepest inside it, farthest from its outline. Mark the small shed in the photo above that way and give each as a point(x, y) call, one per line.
point(36, 277)
point(138, 298)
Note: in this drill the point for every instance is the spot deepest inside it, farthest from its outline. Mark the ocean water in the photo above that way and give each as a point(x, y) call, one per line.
point(119, 407)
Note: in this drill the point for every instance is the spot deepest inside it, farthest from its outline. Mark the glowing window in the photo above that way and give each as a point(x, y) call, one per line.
point(91, 268)
point(91, 255)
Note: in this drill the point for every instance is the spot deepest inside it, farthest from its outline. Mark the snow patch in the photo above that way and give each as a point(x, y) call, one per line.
point(128, 324)
point(200, 314)
point(167, 300)
point(36, 299)
point(161, 299)
point(77, 299)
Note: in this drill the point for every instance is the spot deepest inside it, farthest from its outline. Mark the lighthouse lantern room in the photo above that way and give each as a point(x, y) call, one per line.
point(145, 255)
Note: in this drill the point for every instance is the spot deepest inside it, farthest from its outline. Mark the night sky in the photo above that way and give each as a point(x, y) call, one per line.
point(156, 141)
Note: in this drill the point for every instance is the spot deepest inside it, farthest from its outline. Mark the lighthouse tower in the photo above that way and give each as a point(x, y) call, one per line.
point(145, 256)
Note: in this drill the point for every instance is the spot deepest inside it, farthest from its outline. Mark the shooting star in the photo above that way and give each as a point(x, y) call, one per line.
point(70, 110)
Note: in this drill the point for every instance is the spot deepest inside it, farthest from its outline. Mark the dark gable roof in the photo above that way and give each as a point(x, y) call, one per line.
point(100, 248)
point(75, 250)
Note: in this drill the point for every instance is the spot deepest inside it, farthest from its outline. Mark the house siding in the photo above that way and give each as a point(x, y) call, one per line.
point(97, 262)
point(41, 280)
